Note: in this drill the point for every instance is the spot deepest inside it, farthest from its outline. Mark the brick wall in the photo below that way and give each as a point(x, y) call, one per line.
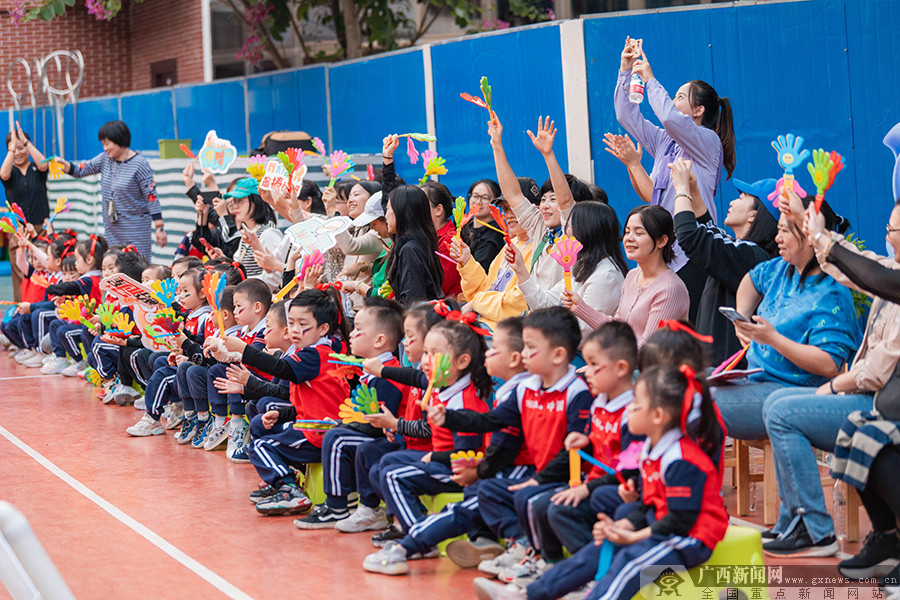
point(162, 30)
point(117, 53)
point(103, 44)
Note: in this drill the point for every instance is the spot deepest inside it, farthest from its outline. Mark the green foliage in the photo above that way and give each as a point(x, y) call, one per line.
point(861, 302)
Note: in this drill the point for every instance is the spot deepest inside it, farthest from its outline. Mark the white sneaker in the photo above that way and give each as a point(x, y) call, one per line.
point(514, 554)
point(147, 426)
point(25, 355)
point(486, 589)
point(364, 519)
point(176, 416)
point(35, 361)
point(238, 436)
point(109, 390)
point(525, 572)
point(55, 366)
point(49, 358)
point(217, 437)
point(125, 394)
point(72, 370)
point(390, 560)
point(4, 341)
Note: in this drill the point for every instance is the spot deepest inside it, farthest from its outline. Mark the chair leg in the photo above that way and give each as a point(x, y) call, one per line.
point(853, 504)
point(770, 487)
point(742, 477)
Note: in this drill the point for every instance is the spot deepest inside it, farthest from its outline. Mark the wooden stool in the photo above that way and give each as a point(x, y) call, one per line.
point(743, 478)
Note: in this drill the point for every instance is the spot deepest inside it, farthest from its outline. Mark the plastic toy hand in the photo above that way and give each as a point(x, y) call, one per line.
point(440, 370)
point(70, 310)
point(386, 291)
point(164, 291)
point(463, 459)
point(820, 168)
point(106, 312)
point(838, 164)
point(789, 154)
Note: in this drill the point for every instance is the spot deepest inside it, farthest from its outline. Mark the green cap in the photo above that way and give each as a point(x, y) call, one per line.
point(244, 188)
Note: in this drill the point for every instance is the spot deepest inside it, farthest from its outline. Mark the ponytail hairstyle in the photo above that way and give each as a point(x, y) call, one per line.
point(672, 347)
point(463, 340)
point(326, 309)
point(716, 116)
point(439, 195)
point(233, 272)
point(93, 249)
point(58, 248)
point(676, 391)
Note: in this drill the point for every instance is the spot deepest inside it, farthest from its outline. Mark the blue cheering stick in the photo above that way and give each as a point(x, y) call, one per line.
point(587, 457)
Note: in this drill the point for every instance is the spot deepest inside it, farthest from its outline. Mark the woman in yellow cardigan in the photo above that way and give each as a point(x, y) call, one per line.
point(494, 294)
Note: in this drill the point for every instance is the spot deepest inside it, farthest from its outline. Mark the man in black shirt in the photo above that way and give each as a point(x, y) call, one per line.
point(25, 183)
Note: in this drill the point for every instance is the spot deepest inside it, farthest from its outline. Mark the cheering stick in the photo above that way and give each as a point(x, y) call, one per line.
point(419, 137)
point(500, 220)
point(164, 291)
point(187, 151)
point(345, 359)
point(732, 361)
point(465, 459)
point(823, 169)
point(363, 401)
point(440, 369)
point(256, 166)
point(486, 103)
point(213, 288)
point(565, 251)
point(435, 166)
point(489, 226)
point(338, 164)
point(62, 205)
point(314, 425)
point(314, 259)
point(605, 467)
point(574, 468)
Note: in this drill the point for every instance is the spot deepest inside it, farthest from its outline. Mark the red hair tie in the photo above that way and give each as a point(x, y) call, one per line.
point(237, 266)
point(93, 243)
point(68, 247)
point(70, 232)
point(337, 285)
point(691, 392)
point(130, 248)
point(679, 326)
point(469, 318)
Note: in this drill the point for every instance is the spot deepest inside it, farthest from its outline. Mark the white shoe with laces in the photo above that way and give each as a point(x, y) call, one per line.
point(24, 355)
point(364, 519)
point(55, 366)
point(35, 361)
point(73, 369)
point(175, 416)
point(488, 589)
point(514, 554)
point(147, 426)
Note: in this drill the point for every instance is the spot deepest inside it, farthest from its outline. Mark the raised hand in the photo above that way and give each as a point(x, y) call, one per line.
point(630, 53)
point(543, 141)
point(789, 154)
point(820, 169)
point(623, 148)
point(389, 145)
point(681, 175)
point(459, 251)
point(495, 130)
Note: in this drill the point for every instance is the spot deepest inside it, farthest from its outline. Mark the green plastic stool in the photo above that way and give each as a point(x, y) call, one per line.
point(435, 504)
point(313, 484)
point(741, 547)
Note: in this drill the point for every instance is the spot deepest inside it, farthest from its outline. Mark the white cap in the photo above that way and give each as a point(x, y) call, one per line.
point(372, 211)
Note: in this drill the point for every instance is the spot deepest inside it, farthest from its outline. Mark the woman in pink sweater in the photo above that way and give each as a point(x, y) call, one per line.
point(652, 292)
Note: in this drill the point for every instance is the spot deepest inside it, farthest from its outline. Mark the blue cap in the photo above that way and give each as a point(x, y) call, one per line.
point(761, 189)
point(244, 188)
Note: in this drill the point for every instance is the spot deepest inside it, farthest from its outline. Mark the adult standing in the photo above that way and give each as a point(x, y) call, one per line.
point(129, 191)
point(697, 125)
point(25, 183)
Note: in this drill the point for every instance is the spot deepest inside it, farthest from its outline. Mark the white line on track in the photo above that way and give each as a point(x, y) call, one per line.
point(22, 377)
point(203, 572)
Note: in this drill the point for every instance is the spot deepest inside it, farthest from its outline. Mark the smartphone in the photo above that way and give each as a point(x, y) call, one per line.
point(208, 197)
point(733, 315)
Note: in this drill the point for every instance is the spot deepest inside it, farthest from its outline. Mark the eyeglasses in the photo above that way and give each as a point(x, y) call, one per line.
point(891, 229)
point(480, 199)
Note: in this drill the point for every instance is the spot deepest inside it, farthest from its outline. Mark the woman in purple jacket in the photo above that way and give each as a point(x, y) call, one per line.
point(696, 125)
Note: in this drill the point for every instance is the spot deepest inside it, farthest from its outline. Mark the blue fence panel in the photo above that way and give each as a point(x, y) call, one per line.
point(92, 114)
point(312, 101)
point(218, 106)
point(773, 94)
point(149, 117)
point(875, 95)
point(262, 113)
point(525, 71)
point(372, 98)
point(675, 59)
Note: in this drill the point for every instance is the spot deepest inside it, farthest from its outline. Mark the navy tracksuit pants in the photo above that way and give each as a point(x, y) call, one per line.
point(404, 477)
point(368, 469)
point(339, 464)
point(456, 519)
point(510, 514)
point(221, 404)
point(274, 451)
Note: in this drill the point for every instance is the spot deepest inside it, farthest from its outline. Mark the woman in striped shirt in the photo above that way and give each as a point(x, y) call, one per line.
point(128, 190)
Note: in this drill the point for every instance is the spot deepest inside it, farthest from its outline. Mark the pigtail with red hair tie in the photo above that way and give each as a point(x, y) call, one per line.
point(68, 247)
point(469, 318)
point(130, 248)
point(240, 271)
point(691, 392)
point(675, 325)
point(93, 243)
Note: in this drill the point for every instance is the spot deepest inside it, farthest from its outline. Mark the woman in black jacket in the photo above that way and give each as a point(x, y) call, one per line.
point(413, 269)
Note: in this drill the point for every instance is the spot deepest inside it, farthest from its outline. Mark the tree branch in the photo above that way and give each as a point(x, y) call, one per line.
point(425, 27)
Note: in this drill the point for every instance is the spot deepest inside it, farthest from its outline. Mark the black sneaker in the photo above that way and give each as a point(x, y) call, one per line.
point(890, 583)
point(798, 543)
point(288, 500)
point(382, 537)
point(768, 534)
point(876, 558)
point(321, 517)
point(263, 493)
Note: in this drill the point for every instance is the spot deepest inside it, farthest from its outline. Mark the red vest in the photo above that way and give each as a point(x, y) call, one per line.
point(606, 430)
point(320, 398)
point(460, 395)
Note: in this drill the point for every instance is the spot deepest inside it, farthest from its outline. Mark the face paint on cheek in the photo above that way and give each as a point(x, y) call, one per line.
point(357, 334)
point(305, 331)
